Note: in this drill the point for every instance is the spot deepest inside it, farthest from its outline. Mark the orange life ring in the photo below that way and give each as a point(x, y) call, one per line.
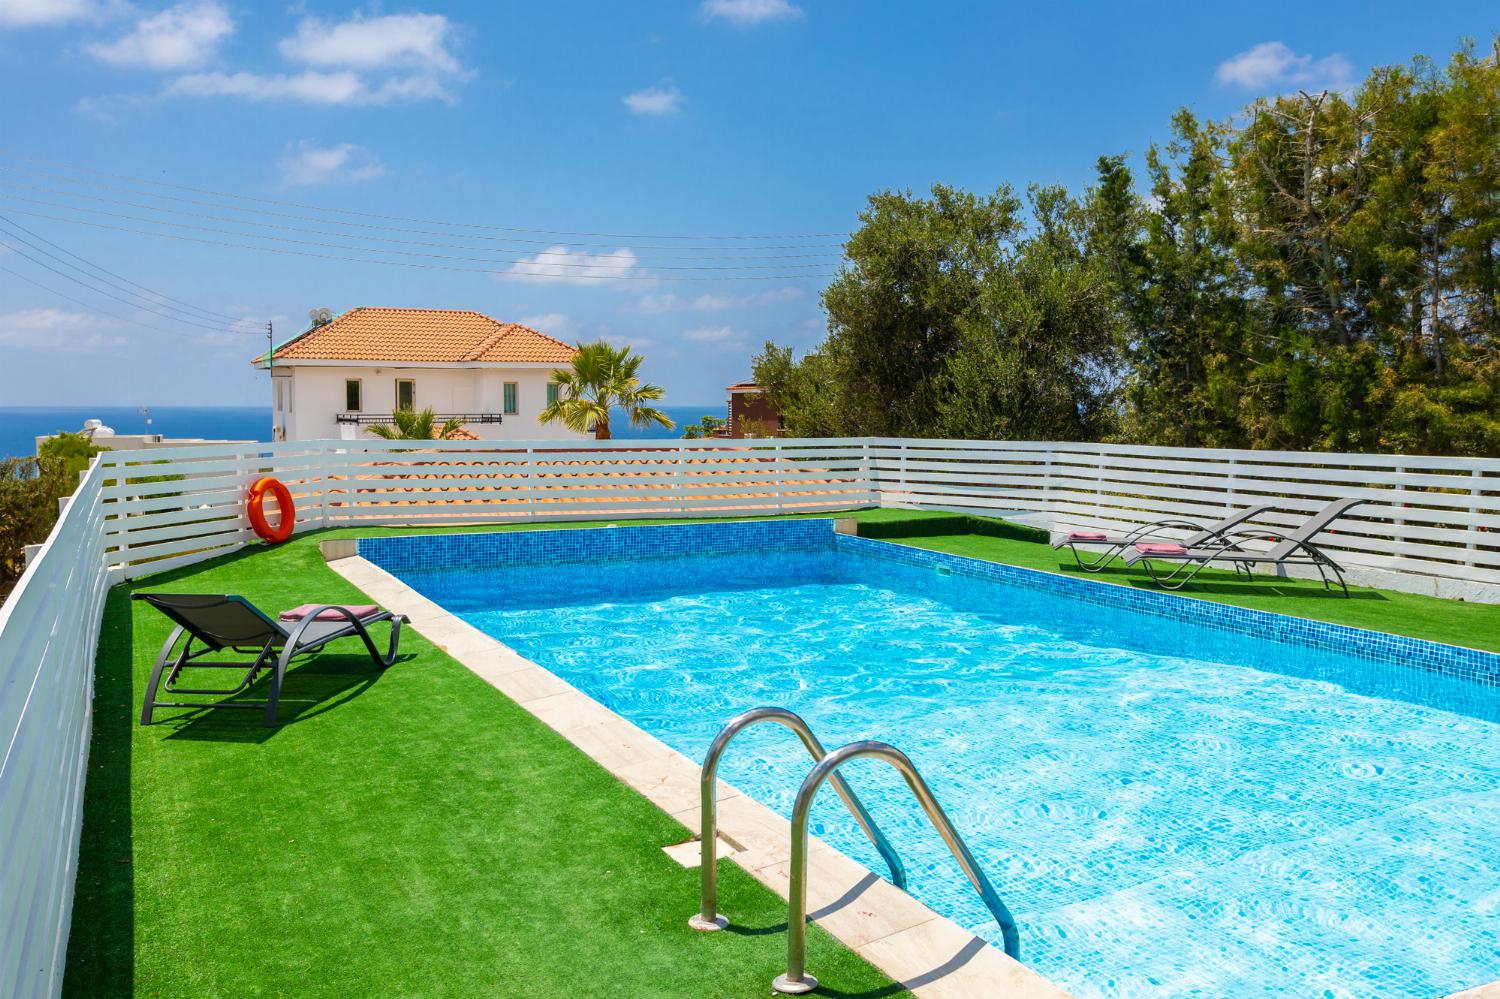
point(258, 521)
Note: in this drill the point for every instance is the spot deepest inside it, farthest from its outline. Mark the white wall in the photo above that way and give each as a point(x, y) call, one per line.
point(318, 396)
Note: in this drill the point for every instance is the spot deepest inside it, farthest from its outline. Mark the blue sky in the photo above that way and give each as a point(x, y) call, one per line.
point(648, 122)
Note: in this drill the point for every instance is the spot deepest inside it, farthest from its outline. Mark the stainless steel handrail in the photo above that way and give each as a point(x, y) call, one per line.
point(797, 980)
point(708, 917)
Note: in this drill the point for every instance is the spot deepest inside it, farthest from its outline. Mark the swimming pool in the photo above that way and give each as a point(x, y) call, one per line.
point(1173, 798)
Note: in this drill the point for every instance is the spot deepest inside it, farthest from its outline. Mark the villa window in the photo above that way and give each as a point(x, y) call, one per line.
point(552, 388)
point(512, 403)
point(406, 394)
point(351, 395)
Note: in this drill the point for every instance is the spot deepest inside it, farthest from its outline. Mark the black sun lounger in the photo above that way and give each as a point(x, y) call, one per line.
point(218, 623)
point(1291, 548)
point(1110, 546)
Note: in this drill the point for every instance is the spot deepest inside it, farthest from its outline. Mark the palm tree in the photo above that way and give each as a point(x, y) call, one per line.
point(406, 425)
point(601, 379)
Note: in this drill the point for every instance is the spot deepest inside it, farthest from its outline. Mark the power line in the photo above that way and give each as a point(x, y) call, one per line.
point(180, 305)
point(523, 275)
point(828, 248)
point(523, 261)
point(401, 218)
point(95, 309)
point(100, 291)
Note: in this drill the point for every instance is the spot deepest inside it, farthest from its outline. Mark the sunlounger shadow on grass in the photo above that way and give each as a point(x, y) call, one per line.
point(1224, 584)
point(313, 687)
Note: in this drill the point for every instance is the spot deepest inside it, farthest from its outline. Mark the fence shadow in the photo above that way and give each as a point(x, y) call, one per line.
point(101, 945)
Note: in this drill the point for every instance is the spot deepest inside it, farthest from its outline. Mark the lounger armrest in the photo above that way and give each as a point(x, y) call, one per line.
point(295, 638)
point(1253, 535)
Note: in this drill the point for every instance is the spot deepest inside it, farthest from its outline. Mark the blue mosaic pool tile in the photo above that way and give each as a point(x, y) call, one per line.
point(548, 547)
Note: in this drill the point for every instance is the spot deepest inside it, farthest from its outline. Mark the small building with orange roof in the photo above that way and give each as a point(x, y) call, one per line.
point(343, 374)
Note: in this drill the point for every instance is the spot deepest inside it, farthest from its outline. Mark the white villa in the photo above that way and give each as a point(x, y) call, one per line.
point(344, 374)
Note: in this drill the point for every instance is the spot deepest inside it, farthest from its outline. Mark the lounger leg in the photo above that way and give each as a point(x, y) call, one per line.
point(394, 644)
point(1337, 574)
point(1101, 560)
point(149, 705)
point(276, 678)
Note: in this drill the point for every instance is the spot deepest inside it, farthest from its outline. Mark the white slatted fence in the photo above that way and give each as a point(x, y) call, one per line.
point(49, 628)
point(1434, 516)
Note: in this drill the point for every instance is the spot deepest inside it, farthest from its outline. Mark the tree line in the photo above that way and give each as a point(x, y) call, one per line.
point(1319, 272)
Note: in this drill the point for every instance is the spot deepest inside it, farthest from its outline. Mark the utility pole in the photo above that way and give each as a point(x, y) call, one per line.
point(270, 369)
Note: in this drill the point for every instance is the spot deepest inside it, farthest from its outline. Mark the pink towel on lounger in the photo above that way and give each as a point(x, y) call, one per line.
point(1087, 536)
point(1160, 548)
point(298, 613)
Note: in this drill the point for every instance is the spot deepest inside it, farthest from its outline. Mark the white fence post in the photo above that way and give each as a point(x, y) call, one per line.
point(1098, 481)
point(903, 487)
point(325, 464)
point(1047, 510)
point(1229, 502)
point(1399, 521)
point(780, 477)
point(1472, 529)
point(528, 479)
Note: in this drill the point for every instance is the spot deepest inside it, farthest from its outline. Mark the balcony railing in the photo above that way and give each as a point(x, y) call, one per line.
point(361, 419)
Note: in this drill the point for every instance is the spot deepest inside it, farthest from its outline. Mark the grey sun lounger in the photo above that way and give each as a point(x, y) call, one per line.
point(1292, 548)
point(1110, 546)
point(220, 623)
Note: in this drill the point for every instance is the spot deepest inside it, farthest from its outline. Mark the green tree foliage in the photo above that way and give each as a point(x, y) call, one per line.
point(29, 491)
point(707, 426)
point(603, 378)
point(1319, 272)
point(74, 451)
point(407, 425)
point(948, 320)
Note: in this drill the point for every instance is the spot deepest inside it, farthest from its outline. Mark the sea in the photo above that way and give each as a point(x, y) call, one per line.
point(20, 426)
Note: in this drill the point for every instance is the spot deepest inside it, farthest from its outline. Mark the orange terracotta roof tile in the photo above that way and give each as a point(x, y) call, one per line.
point(428, 335)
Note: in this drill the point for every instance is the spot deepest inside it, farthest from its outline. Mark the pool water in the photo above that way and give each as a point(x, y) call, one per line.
point(1167, 809)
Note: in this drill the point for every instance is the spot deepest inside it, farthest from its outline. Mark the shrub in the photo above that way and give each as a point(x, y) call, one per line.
point(29, 491)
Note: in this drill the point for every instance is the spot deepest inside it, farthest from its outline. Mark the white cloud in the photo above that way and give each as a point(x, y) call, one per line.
point(659, 100)
point(722, 336)
point(310, 87)
point(186, 35)
point(552, 323)
point(417, 87)
point(56, 328)
point(560, 265)
point(1275, 65)
point(414, 41)
point(32, 13)
point(708, 302)
point(748, 13)
point(399, 58)
point(306, 163)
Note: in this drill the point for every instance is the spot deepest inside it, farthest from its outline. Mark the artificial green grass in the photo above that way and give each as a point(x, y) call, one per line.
point(406, 833)
point(1455, 622)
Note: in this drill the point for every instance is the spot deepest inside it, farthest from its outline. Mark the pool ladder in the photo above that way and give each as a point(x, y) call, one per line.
point(796, 980)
